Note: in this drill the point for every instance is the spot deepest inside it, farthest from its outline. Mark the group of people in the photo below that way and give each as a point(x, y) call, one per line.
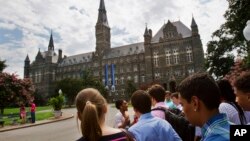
point(23, 112)
point(209, 105)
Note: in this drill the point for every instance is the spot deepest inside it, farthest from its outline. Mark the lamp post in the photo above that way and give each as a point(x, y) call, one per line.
point(60, 91)
point(246, 33)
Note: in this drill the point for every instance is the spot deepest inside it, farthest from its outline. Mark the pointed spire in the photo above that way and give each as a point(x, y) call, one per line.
point(193, 24)
point(27, 58)
point(51, 42)
point(146, 31)
point(102, 17)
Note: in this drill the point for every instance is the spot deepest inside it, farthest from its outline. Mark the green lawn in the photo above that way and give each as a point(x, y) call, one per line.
point(16, 110)
point(40, 114)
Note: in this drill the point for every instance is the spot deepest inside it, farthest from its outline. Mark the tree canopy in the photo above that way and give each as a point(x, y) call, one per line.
point(2, 65)
point(130, 88)
point(14, 90)
point(228, 39)
point(70, 87)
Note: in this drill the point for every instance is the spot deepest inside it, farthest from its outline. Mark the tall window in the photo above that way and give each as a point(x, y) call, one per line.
point(135, 68)
point(157, 75)
point(189, 54)
point(176, 56)
point(142, 78)
point(116, 81)
point(168, 56)
point(136, 79)
point(156, 59)
point(122, 80)
point(190, 70)
point(121, 69)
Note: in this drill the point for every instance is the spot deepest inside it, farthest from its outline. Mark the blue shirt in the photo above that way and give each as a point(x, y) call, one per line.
point(216, 129)
point(170, 104)
point(150, 128)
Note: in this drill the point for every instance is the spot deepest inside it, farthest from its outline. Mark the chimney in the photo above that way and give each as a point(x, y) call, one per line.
point(59, 55)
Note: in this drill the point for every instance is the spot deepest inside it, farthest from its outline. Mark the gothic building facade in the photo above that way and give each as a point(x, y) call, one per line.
point(174, 52)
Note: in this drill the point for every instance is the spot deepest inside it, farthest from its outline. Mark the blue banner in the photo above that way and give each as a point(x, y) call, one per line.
point(106, 75)
point(112, 74)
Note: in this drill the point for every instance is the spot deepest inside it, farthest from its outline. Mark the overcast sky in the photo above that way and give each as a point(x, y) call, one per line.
point(25, 25)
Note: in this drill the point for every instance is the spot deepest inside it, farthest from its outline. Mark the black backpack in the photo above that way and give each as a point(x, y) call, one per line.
point(177, 120)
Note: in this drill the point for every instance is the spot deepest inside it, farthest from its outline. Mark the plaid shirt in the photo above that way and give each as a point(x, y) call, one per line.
point(216, 129)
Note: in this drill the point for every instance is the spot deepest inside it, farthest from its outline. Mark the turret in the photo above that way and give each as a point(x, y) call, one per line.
point(27, 67)
point(59, 55)
point(147, 36)
point(194, 28)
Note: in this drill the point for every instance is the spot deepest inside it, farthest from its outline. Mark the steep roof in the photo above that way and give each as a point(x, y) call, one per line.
point(125, 50)
point(181, 29)
point(76, 59)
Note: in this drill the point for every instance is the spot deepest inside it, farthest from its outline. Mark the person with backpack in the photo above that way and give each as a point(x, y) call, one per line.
point(148, 127)
point(242, 92)
point(228, 105)
point(157, 94)
point(200, 98)
point(172, 115)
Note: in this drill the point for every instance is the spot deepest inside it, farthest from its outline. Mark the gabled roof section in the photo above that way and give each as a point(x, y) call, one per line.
point(125, 50)
point(39, 56)
point(181, 29)
point(76, 59)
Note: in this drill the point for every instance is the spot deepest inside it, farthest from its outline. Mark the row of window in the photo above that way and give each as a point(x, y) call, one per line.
point(175, 58)
point(37, 78)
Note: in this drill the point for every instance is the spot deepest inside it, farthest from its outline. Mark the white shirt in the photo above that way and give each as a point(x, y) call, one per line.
point(231, 112)
point(119, 119)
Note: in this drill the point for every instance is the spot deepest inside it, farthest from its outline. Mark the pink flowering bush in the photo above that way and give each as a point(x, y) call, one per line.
point(14, 90)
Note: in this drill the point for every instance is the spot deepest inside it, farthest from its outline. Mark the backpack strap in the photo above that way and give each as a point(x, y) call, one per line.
point(159, 109)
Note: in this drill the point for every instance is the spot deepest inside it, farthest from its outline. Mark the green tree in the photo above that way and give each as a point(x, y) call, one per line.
point(14, 90)
point(228, 38)
point(2, 65)
point(130, 88)
point(70, 87)
point(90, 81)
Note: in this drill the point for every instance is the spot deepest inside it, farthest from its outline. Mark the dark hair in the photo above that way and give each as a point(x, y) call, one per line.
point(204, 87)
point(141, 101)
point(90, 105)
point(227, 93)
point(118, 103)
point(176, 95)
point(242, 83)
point(157, 92)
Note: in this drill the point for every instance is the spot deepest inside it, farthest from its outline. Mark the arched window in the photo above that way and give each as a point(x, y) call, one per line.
point(189, 54)
point(156, 59)
point(176, 56)
point(168, 57)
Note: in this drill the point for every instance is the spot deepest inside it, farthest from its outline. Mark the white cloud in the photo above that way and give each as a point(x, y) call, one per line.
point(73, 23)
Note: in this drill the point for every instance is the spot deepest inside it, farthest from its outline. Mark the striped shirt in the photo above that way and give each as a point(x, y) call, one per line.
point(216, 129)
point(231, 112)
